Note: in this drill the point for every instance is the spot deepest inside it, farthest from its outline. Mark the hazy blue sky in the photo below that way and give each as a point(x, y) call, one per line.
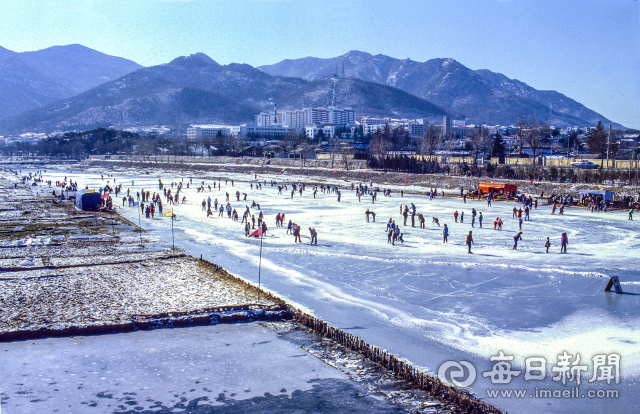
point(586, 49)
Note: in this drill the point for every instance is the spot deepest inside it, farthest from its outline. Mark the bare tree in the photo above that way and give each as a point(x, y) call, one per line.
point(378, 147)
point(479, 142)
point(346, 152)
point(427, 144)
point(520, 134)
point(534, 141)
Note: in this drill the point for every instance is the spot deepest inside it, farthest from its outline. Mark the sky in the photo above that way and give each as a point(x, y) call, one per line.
point(588, 50)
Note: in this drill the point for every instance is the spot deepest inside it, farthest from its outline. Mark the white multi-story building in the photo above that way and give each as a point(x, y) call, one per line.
point(266, 131)
point(446, 125)
point(327, 130)
point(196, 132)
point(266, 119)
point(345, 116)
point(300, 118)
point(415, 127)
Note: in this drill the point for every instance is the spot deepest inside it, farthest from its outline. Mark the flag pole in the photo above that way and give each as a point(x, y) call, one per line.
point(173, 240)
point(259, 267)
point(140, 227)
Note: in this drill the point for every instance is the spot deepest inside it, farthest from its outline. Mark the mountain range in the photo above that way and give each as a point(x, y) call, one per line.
point(481, 95)
point(197, 89)
point(74, 88)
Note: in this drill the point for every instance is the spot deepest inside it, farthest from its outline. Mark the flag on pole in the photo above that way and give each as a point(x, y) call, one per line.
point(136, 204)
point(334, 171)
point(405, 179)
point(283, 169)
point(168, 213)
point(256, 233)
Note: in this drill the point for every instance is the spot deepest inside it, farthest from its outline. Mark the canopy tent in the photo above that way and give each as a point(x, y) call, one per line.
point(606, 195)
point(87, 200)
point(496, 187)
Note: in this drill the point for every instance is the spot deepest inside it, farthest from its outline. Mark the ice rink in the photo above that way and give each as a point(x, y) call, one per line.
point(423, 300)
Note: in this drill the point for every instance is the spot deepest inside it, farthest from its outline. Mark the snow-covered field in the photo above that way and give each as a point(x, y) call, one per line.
point(423, 300)
point(64, 269)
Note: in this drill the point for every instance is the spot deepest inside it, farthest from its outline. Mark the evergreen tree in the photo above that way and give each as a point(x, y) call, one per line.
point(497, 146)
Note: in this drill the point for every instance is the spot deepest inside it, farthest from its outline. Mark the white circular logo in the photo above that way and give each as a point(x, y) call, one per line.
point(453, 373)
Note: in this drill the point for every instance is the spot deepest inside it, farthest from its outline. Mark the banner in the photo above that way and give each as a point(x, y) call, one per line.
point(168, 213)
point(256, 233)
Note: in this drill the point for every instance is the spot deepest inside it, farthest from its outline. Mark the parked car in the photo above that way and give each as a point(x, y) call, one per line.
point(584, 164)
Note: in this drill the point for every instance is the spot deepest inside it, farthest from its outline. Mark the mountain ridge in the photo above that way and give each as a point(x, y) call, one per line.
point(484, 96)
point(58, 71)
point(235, 93)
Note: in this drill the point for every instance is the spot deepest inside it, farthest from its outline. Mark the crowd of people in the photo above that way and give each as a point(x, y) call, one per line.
point(151, 203)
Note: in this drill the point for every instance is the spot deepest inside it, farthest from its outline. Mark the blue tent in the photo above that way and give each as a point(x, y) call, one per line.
point(606, 195)
point(88, 200)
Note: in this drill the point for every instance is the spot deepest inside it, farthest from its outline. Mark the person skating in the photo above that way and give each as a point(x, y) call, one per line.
point(296, 234)
point(314, 235)
point(473, 217)
point(366, 213)
point(455, 216)
point(445, 233)
point(421, 220)
point(462, 217)
point(631, 214)
point(469, 242)
point(547, 244)
point(480, 219)
point(396, 235)
point(520, 222)
point(564, 241)
point(515, 240)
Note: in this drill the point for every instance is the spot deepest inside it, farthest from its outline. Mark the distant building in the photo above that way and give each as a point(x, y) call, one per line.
point(415, 127)
point(196, 132)
point(300, 118)
point(446, 125)
point(327, 130)
point(272, 131)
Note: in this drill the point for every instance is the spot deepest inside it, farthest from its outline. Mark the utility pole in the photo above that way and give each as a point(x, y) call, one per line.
point(608, 145)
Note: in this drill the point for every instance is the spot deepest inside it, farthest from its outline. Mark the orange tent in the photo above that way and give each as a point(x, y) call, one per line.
point(496, 187)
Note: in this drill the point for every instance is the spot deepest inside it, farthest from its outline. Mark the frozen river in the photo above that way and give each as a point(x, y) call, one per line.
point(430, 302)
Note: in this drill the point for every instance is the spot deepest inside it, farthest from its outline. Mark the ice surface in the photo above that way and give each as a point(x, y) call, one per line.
point(227, 368)
point(424, 300)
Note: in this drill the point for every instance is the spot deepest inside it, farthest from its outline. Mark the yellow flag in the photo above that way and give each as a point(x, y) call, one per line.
point(283, 169)
point(168, 213)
